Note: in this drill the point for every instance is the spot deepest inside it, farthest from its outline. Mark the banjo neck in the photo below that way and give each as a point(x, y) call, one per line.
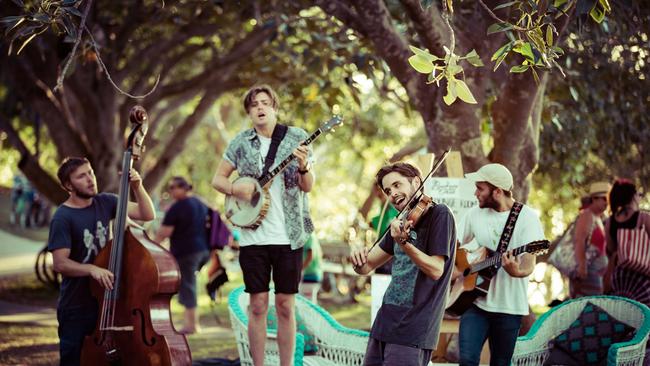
point(268, 177)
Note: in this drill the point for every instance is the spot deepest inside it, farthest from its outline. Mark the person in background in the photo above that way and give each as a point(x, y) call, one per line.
point(628, 239)
point(312, 270)
point(184, 225)
point(590, 231)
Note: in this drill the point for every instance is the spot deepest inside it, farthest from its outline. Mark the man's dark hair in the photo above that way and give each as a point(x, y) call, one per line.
point(264, 88)
point(621, 195)
point(69, 165)
point(405, 169)
point(180, 182)
point(493, 187)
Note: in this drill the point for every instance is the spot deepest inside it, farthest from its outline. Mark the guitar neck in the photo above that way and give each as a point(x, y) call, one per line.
point(495, 260)
point(280, 167)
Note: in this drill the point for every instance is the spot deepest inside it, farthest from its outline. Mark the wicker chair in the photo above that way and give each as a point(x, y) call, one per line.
point(533, 348)
point(336, 344)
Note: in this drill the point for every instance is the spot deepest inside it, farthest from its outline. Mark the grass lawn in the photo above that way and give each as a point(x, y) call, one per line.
point(31, 344)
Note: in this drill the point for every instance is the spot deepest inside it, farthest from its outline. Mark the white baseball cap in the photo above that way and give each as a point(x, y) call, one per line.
point(495, 174)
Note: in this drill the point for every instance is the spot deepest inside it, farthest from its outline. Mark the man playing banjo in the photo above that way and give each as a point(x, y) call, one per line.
point(273, 244)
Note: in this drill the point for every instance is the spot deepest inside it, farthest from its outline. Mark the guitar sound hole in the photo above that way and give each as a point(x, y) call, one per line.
point(255, 199)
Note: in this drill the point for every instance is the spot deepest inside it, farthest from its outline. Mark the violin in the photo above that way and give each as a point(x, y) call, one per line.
point(417, 205)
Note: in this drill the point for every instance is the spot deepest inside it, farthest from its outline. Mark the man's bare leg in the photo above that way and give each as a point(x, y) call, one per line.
point(259, 306)
point(284, 305)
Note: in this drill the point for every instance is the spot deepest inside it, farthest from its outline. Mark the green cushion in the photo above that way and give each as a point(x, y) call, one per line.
point(588, 338)
point(310, 339)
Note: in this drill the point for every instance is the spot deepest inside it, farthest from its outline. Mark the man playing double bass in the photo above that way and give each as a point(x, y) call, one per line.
point(406, 328)
point(78, 231)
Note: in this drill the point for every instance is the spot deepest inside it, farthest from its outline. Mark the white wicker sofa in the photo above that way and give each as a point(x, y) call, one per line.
point(336, 344)
point(533, 348)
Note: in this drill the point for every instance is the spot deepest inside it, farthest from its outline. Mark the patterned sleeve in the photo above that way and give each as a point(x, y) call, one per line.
point(230, 155)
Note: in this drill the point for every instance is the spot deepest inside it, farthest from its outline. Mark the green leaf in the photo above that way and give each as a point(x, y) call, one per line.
point(424, 53)
point(421, 64)
point(574, 93)
point(473, 58)
point(597, 14)
point(505, 5)
point(519, 68)
point(498, 27)
point(451, 91)
point(454, 69)
point(549, 35)
point(25, 43)
point(10, 19)
point(464, 93)
point(526, 50)
point(503, 50)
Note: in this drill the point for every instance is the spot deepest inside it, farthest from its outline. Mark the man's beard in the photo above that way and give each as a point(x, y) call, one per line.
point(489, 202)
point(84, 195)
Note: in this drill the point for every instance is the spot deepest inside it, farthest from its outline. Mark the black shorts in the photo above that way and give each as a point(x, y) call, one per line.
point(258, 261)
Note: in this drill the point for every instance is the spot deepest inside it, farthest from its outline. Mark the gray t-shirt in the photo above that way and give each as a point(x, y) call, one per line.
point(414, 303)
point(85, 231)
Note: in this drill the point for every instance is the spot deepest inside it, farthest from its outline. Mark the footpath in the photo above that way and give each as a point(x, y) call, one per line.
point(17, 256)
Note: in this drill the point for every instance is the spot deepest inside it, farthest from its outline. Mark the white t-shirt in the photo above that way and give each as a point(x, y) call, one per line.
point(272, 230)
point(506, 294)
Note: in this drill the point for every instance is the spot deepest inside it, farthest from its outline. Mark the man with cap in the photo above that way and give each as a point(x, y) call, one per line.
point(184, 225)
point(589, 244)
point(497, 316)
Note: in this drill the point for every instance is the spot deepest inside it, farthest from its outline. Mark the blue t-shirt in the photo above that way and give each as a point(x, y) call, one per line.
point(414, 303)
point(187, 216)
point(85, 231)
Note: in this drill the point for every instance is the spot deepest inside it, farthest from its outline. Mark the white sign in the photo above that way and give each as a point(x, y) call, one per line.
point(457, 193)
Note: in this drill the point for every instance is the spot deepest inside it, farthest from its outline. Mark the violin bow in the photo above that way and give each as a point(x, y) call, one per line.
point(435, 167)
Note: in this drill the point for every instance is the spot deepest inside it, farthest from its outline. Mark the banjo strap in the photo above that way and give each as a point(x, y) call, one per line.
point(276, 138)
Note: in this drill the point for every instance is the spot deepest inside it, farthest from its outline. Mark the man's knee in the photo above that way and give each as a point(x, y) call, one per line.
point(284, 305)
point(259, 305)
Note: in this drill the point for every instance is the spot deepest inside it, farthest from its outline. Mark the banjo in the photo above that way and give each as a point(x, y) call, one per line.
point(249, 214)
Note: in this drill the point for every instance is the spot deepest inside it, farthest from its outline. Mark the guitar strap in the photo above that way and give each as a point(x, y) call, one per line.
point(506, 235)
point(278, 134)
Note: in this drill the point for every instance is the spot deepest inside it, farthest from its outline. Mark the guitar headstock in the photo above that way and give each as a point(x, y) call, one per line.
point(538, 247)
point(333, 122)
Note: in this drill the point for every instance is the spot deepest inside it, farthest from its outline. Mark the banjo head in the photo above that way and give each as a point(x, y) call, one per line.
point(244, 213)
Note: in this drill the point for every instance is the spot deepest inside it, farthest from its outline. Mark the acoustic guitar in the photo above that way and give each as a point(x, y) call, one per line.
point(475, 279)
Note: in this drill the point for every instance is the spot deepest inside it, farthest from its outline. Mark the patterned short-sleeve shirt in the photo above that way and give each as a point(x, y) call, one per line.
point(243, 153)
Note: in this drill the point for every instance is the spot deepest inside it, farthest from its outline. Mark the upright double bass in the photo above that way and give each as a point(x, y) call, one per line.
point(134, 325)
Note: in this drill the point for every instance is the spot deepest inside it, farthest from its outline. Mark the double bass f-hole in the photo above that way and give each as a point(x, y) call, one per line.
point(140, 314)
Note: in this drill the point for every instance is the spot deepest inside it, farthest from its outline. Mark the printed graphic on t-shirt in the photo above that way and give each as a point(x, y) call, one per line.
point(404, 272)
point(91, 244)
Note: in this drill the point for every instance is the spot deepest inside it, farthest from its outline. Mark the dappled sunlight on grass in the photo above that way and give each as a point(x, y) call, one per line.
point(28, 344)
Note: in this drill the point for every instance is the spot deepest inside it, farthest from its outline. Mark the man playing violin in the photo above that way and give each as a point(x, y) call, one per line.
point(78, 231)
point(406, 329)
point(275, 247)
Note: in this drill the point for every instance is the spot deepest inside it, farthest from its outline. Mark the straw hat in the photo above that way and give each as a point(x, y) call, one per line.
point(599, 189)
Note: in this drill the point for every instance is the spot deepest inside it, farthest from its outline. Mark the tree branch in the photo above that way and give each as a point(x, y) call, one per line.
point(42, 181)
point(424, 23)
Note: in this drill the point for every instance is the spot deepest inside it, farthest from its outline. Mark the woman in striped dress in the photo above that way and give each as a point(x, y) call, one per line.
point(628, 244)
